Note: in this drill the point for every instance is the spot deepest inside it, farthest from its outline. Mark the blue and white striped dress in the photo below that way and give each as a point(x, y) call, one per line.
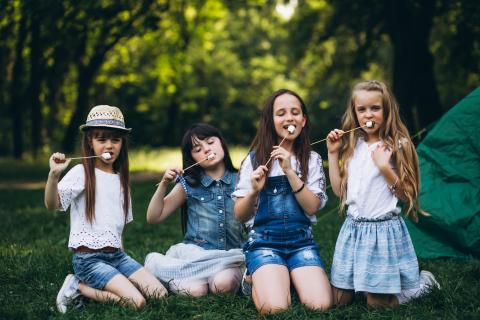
point(374, 252)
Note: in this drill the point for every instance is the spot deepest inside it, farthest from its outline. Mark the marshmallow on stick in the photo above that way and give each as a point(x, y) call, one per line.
point(368, 124)
point(105, 155)
point(291, 130)
point(211, 156)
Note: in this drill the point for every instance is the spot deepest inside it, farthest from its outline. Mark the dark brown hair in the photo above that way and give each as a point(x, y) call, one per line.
point(266, 136)
point(120, 166)
point(194, 175)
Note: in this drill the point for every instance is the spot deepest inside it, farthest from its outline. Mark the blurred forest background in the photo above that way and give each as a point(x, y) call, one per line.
point(168, 64)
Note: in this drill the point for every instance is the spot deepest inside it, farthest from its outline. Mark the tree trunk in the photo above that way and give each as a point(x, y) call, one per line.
point(16, 103)
point(35, 84)
point(414, 85)
point(171, 134)
point(55, 79)
point(85, 80)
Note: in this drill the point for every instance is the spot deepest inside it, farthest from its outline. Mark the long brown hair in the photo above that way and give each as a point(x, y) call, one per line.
point(394, 134)
point(266, 136)
point(120, 166)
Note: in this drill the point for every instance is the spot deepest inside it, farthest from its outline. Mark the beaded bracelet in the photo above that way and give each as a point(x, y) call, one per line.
point(300, 189)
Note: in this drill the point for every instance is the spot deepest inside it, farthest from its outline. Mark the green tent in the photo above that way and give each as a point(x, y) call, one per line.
point(450, 185)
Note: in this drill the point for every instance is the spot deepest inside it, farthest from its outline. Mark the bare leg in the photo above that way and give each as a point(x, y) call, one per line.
point(271, 288)
point(97, 295)
point(125, 289)
point(313, 287)
point(225, 281)
point(118, 289)
point(377, 300)
point(342, 297)
point(148, 284)
point(190, 288)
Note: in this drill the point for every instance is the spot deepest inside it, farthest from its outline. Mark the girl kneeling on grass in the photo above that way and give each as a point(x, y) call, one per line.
point(370, 169)
point(209, 259)
point(98, 194)
point(281, 200)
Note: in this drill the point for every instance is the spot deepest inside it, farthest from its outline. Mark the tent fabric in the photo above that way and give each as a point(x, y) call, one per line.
point(450, 185)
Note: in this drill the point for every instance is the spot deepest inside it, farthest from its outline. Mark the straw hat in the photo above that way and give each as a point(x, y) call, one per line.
point(104, 116)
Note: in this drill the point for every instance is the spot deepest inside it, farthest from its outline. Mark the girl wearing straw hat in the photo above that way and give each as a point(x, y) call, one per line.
point(98, 195)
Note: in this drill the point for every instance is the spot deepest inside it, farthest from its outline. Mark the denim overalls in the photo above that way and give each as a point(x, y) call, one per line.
point(211, 223)
point(281, 232)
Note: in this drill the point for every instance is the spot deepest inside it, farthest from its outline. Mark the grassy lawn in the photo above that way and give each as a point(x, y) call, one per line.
point(35, 260)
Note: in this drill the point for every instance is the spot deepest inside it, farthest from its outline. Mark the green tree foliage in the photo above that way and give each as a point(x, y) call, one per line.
point(402, 42)
point(169, 64)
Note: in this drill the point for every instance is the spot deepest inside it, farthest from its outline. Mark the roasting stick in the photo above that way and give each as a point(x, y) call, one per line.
point(211, 156)
point(291, 130)
point(369, 124)
point(104, 155)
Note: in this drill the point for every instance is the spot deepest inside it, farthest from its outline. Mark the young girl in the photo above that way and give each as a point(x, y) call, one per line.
point(370, 169)
point(281, 200)
point(209, 259)
point(98, 194)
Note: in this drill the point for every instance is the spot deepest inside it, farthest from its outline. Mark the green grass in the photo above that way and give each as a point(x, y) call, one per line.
point(34, 261)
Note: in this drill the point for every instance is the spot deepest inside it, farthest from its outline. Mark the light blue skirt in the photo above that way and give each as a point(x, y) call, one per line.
point(375, 256)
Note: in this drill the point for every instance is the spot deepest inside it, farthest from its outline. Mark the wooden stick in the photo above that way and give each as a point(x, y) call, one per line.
point(290, 130)
point(197, 163)
point(342, 134)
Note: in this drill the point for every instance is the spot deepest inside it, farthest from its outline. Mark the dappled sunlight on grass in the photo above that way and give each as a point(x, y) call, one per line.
point(158, 160)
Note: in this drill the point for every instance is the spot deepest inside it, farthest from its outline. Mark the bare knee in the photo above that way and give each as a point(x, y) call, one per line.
point(224, 285)
point(320, 304)
point(135, 302)
point(271, 308)
point(140, 302)
point(270, 305)
point(196, 291)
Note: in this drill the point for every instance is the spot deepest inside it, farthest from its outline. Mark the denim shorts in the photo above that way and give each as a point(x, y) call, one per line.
point(293, 250)
point(96, 269)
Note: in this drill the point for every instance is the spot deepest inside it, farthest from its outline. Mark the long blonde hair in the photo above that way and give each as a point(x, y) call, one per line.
point(394, 134)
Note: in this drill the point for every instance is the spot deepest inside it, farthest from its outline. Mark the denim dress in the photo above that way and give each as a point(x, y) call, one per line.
point(281, 232)
point(211, 223)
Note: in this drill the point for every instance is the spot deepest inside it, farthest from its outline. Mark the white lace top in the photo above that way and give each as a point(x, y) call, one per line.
point(368, 195)
point(107, 227)
point(315, 180)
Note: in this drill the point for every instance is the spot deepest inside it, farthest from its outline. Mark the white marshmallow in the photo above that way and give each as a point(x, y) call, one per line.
point(370, 124)
point(106, 156)
point(211, 156)
point(291, 129)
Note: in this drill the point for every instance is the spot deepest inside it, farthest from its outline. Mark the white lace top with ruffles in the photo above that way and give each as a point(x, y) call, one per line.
point(107, 227)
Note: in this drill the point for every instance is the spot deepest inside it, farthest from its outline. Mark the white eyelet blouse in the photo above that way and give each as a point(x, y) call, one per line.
point(107, 227)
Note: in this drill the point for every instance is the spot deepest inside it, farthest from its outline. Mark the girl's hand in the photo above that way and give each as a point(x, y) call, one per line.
point(334, 140)
point(258, 178)
point(171, 174)
point(381, 156)
point(283, 157)
point(58, 163)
